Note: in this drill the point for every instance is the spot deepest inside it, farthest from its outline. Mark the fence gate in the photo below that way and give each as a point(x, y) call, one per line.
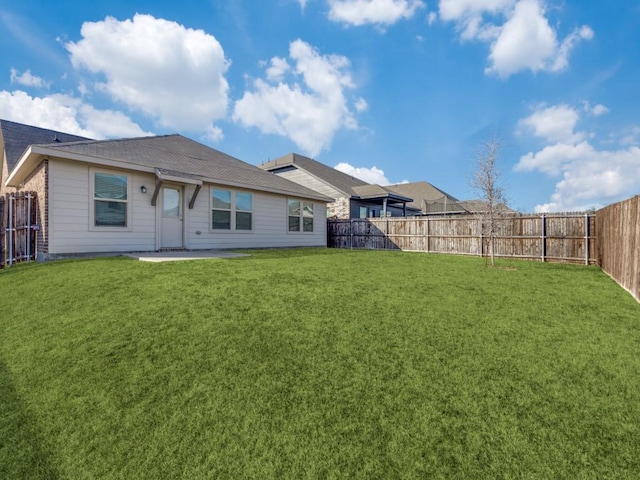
point(18, 228)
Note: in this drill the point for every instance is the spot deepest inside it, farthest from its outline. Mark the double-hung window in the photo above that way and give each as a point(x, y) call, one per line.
point(110, 200)
point(244, 211)
point(231, 210)
point(300, 215)
point(221, 213)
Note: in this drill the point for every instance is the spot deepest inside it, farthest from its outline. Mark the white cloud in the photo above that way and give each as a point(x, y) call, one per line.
point(279, 67)
point(303, 4)
point(67, 114)
point(370, 175)
point(170, 73)
point(524, 41)
point(555, 124)
point(596, 110)
point(630, 135)
point(377, 12)
point(590, 177)
point(27, 79)
point(431, 19)
point(469, 16)
point(311, 108)
point(361, 105)
point(594, 179)
point(554, 159)
point(461, 9)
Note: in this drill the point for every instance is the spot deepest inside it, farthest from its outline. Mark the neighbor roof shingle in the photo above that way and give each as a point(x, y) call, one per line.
point(17, 137)
point(337, 179)
point(422, 192)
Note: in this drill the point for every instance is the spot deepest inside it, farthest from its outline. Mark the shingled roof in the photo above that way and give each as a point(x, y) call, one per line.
point(337, 179)
point(182, 158)
point(424, 194)
point(17, 137)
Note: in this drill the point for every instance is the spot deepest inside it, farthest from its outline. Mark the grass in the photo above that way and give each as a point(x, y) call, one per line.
point(317, 363)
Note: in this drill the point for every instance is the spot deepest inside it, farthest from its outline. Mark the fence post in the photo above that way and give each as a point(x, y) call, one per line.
point(386, 233)
point(28, 231)
point(10, 201)
point(351, 234)
point(427, 232)
point(481, 230)
point(544, 239)
point(586, 239)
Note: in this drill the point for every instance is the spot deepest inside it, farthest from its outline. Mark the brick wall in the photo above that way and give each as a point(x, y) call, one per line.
point(38, 181)
point(340, 209)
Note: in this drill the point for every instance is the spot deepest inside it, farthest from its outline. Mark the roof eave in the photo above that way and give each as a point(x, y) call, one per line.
point(34, 154)
point(393, 198)
point(311, 195)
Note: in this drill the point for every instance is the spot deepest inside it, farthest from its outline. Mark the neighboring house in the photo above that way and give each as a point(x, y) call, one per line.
point(354, 198)
point(152, 193)
point(480, 206)
point(428, 200)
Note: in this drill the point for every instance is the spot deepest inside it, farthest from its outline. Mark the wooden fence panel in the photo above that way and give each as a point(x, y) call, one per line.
point(557, 237)
point(20, 223)
point(3, 219)
point(618, 243)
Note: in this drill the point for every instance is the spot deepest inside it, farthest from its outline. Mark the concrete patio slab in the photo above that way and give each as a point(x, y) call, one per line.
point(181, 256)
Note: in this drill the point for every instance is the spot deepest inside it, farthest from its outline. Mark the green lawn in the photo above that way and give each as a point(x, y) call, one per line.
point(317, 363)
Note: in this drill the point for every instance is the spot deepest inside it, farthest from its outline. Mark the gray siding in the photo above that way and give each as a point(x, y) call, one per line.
point(70, 230)
point(307, 180)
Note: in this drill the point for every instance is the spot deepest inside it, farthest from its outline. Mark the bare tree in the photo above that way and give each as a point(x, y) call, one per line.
point(486, 180)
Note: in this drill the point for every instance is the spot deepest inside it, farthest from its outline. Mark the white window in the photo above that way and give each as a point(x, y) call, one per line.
point(300, 216)
point(110, 207)
point(244, 211)
point(231, 210)
point(221, 213)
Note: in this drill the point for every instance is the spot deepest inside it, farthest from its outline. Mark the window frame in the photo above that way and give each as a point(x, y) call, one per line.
point(301, 216)
point(238, 210)
point(92, 199)
point(214, 208)
point(233, 210)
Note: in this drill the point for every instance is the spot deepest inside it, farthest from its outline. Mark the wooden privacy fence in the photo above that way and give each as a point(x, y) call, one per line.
point(568, 238)
point(2, 232)
point(618, 227)
point(18, 228)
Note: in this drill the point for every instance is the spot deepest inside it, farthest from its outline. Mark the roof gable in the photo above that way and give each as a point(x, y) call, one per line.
point(335, 178)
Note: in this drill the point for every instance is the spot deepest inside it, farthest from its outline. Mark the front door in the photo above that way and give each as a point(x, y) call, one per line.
point(171, 226)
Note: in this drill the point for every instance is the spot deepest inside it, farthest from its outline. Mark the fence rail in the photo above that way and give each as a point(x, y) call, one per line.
point(18, 214)
point(619, 243)
point(567, 238)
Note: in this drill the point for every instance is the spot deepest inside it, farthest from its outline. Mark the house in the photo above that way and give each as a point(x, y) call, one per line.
point(354, 198)
point(152, 193)
point(481, 206)
point(428, 200)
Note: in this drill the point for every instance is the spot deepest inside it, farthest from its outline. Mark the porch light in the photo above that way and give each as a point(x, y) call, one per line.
point(143, 189)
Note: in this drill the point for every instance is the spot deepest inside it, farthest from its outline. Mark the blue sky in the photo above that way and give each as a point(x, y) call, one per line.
point(388, 90)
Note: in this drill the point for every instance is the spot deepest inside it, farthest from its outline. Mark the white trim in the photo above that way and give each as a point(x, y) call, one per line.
point(176, 179)
point(301, 216)
point(181, 213)
point(232, 211)
point(92, 226)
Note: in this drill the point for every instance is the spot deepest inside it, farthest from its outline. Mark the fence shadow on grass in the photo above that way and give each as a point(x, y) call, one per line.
point(21, 452)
